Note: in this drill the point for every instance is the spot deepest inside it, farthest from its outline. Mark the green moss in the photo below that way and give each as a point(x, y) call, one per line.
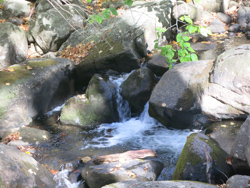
point(186, 156)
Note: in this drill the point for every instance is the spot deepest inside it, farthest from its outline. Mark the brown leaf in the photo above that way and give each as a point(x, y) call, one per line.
point(228, 160)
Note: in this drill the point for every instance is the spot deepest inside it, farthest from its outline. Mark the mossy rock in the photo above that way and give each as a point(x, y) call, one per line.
point(94, 108)
point(33, 88)
point(192, 163)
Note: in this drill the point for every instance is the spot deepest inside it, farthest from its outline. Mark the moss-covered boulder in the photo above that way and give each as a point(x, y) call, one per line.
point(19, 169)
point(93, 108)
point(32, 88)
point(137, 88)
point(202, 160)
point(13, 45)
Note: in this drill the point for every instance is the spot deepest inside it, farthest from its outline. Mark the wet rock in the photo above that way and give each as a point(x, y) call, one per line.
point(161, 184)
point(174, 101)
point(30, 135)
point(98, 106)
point(137, 88)
point(240, 150)
point(21, 170)
point(223, 17)
point(224, 133)
point(234, 28)
point(16, 8)
point(238, 181)
point(158, 64)
point(13, 45)
point(146, 169)
point(199, 150)
point(49, 35)
point(121, 42)
point(36, 86)
point(217, 26)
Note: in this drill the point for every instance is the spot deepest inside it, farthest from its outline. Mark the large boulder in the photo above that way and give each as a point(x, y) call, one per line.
point(19, 169)
point(122, 169)
point(52, 28)
point(120, 42)
point(240, 153)
point(238, 181)
point(199, 150)
point(13, 45)
point(16, 8)
point(175, 99)
point(192, 93)
point(94, 108)
point(137, 88)
point(161, 184)
point(30, 89)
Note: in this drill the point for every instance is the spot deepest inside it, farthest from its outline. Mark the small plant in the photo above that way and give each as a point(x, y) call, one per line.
point(185, 52)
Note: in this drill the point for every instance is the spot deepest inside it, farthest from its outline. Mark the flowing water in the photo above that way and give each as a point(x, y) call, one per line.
point(134, 133)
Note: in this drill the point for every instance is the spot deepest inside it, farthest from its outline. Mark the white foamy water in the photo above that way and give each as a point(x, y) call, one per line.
point(61, 179)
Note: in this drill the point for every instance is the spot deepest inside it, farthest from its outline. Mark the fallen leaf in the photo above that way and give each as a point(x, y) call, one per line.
point(132, 174)
point(54, 171)
point(146, 169)
point(7, 84)
point(228, 160)
point(28, 152)
point(29, 67)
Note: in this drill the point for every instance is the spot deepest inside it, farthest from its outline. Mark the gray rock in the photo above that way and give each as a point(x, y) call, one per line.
point(233, 4)
point(98, 106)
point(240, 150)
point(121, 42)
point(135, 170)
point(190, 165)
point(50, 29)
point(36, 86)
point(161, 184)
point(224, 17)
point(234, 28)
point(224, 133)
point(238, 181)
point(217, 26)
point(21, 170)
point(175, 99)
point(158, 64)
point(181, 9)
point(137, 88)
point(16, 8)
point(202, 46)
point(13, 45)
point(209, 5)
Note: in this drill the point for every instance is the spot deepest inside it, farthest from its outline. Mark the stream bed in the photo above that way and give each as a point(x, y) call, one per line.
point(69, 143)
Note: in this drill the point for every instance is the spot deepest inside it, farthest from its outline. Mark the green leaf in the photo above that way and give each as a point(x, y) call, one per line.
point(185, 38)
point(164, 50)
point(188, 20)
point(158, 28)
point(98, 19)
point(197, 1)
point(128, 2)
point(182, 43)
point(113, 11)
point(163, 30)
point(181, 53)
point(170, 54)
point(170, 65)
point(182, 18)
point(205, 31)
point(179, 37)
point(194, 57)
point(190, 49)
point(186, 44)
point(89, 1)
point(156, 45)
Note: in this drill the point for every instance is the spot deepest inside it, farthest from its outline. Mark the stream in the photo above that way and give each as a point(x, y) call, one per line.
point(69, 143)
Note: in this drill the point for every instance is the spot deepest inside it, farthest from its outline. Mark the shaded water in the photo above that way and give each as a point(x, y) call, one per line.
point(141, 132)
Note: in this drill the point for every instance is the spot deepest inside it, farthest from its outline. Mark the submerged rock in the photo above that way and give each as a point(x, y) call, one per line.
point(98, 106)
point(21, 170)
point(199, 150)
point(30, 89)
